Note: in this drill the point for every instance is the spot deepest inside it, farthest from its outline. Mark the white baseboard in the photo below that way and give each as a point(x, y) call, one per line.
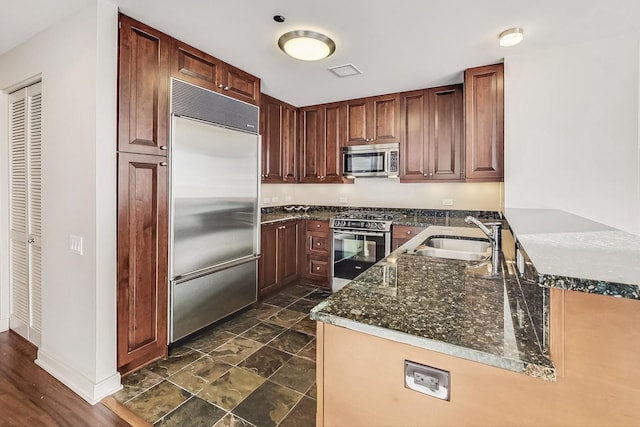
point(4, 325)
point(81, 385)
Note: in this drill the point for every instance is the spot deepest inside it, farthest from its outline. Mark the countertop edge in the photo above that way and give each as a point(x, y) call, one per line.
point(546, 373)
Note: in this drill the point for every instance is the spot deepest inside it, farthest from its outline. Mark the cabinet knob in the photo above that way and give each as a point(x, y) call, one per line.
point(163, 163)
point(226, 88)
point(431, 173)
point(318, 244)
point(31, 240)
point(318, 176)
point(266, 175)
point(425, 174)
point(317, 268)
point(409, 232)
point(163, 147)
point(317, 225)
point(220, 85)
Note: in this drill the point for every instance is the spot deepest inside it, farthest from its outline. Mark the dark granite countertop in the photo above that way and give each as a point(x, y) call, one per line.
point(273, 217)
point(446, 306)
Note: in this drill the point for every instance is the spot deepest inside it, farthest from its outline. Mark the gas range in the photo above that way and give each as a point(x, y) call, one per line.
point(364, 220)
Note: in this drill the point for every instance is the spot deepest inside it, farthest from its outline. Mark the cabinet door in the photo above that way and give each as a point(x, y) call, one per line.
point(289, 143)
point(194, 66)
point(358, 121)
point(143, 89)
point(271, 115)
point(268, 266)
point(414, 159)
point(445, 133)
point(401, 234)
point(142, 260)
point(331, 157)
point(288, 253)
point(240, 84)
point(318, 269)
point(385, 119)
point(484, 131)
point(311, 141)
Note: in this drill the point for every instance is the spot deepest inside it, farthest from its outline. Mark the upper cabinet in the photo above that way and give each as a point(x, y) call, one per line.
point(201, 69)
point(321, 133)
point(484, 119)
point(374, 120)
point(431, 143)
point(195, 66)
point(143, 90)
point(278, 128)
point(239, 84)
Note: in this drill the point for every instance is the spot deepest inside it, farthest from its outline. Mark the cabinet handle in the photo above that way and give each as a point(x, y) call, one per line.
point(163, 147)
point(31, 240)
point(163, 163)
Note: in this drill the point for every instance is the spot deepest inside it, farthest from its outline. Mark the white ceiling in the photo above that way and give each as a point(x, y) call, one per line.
point(399, 45)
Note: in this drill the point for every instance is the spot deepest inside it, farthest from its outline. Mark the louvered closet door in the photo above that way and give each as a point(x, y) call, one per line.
point(25, 249)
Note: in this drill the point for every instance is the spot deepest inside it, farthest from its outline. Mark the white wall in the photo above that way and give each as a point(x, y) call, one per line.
point(384, 192)
point(78, 63)
point(571, 131)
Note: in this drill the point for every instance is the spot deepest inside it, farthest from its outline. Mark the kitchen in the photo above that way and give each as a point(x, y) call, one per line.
point(568, 155)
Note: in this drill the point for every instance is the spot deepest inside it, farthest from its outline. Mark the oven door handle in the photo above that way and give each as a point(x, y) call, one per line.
point(359, 233)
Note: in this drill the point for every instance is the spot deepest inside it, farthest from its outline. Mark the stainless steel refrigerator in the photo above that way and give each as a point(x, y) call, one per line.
point(215, 217)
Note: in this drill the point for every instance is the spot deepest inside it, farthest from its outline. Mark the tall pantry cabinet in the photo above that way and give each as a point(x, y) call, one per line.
point(143, 138)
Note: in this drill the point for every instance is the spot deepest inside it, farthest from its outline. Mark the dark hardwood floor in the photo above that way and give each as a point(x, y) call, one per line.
point(29, 396)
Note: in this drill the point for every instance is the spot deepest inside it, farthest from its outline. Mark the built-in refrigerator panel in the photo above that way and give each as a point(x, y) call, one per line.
point(214, 181)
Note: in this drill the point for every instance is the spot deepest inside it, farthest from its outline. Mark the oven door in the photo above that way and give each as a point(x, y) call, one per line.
point(355, 251)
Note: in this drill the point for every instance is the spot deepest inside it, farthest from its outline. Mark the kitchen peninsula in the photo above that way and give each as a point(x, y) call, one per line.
point(547, 347)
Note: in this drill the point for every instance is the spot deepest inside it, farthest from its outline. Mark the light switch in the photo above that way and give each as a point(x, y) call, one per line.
point(75, 244)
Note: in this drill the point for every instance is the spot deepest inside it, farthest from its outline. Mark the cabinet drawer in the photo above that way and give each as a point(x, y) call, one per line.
point(404, 231)
point(318, 243)
point(322, 226)
point(317, 266)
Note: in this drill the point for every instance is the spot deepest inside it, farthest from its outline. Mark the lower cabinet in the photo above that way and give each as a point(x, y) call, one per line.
point(318, 247)
point(280, 256)
point(142, 260)
point(401, 234)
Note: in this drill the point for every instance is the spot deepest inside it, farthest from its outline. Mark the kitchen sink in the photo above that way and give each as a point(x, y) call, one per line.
point(458, 247)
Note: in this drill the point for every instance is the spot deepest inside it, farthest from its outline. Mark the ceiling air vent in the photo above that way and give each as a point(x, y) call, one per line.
point(345, 70)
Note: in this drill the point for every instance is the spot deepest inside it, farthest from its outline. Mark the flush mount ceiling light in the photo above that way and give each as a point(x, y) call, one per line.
point(306, 45)
point(511, 37)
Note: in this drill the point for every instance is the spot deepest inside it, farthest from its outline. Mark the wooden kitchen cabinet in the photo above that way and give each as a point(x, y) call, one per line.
point(194, 66)
point(143, 89)
point(401, 234)
point(142, 260)
point(484, 123)
point(321, 133)
point(278, 130)
point(318, 247)
point(279, 263)
point(373, 120)
point(431, 143)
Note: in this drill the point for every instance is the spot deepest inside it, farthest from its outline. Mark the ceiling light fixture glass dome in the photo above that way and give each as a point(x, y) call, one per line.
point(306, 45)
point(511, 37)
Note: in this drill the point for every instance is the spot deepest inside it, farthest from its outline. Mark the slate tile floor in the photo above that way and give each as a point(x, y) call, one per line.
point(257, 369)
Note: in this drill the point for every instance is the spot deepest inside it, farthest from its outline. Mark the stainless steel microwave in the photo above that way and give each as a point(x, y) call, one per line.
point(371, 160)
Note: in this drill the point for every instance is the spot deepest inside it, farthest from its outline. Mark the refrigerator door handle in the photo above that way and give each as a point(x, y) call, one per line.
point(216, 268)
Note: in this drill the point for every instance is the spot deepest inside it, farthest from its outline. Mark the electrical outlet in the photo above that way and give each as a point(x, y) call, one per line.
point(275, 199)
point(447, 202)
point(343, 200)
point(266, 200)
point(75, 244)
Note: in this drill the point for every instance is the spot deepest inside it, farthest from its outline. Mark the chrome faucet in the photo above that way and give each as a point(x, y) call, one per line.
point(495, 237)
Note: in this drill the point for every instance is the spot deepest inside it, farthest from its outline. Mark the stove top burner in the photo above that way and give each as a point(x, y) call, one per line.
point(364, 220)
point(368, 215)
